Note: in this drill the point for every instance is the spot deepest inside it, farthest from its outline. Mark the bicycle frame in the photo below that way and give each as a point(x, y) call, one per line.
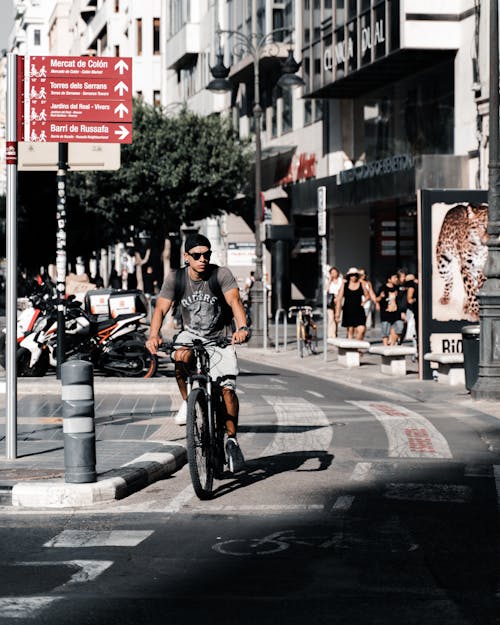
point(211, 446)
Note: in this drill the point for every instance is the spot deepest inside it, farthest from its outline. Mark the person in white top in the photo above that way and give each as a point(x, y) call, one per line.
point(333, 285)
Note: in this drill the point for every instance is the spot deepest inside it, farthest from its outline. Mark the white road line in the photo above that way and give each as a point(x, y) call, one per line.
point(88, 570)
point(496, 473)
point(410, 435)
point(316, 433)
point(343, 503)
point(92, 538)
point(315, 394)
point(264, 508)
point(361, 472)
point(180, 500)
point(24, 607)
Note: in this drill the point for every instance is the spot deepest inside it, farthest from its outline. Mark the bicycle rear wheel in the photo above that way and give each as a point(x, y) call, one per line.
point(199, 448)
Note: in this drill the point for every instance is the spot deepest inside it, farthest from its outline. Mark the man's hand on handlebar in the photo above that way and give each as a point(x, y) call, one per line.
point(153, 343)
point(241, 335)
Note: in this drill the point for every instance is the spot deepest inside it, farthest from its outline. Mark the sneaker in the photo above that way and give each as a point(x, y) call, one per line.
point(180, 417)
point(235, 459)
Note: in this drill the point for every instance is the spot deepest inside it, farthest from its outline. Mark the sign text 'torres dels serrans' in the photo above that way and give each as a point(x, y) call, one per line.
point(78, 99)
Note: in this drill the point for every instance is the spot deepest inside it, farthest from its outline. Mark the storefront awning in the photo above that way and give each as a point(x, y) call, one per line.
point(275, 161)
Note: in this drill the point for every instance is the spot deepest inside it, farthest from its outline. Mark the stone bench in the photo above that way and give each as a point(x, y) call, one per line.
point(349, 350)
point(450, 367)
point(393, 358)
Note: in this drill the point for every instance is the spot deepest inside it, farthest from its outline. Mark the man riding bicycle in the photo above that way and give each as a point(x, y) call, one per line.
point(203, 293)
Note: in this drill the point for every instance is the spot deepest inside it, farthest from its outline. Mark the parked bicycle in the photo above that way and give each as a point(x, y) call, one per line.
point(205, 420)
point(307, 330)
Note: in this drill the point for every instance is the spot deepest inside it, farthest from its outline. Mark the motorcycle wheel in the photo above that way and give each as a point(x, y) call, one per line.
point(38, 370)
point(136, 361)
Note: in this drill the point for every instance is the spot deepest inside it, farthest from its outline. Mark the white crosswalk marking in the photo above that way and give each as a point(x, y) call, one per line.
point(410, 434)
point(91, 538)
point(24, 607)
point(343, 503)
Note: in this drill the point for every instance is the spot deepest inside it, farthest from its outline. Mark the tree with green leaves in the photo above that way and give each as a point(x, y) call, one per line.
point(178, 169)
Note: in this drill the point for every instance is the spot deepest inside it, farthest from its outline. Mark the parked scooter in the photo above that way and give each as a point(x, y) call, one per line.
point(115, 346)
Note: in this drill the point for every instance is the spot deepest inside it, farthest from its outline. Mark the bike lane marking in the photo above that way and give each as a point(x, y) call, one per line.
point(298, 412)
point(410, 435)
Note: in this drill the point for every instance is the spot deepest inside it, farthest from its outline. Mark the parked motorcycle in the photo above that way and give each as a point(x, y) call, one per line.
point(115, 346)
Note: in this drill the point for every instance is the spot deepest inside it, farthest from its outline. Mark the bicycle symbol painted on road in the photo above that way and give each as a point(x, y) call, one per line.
point(382, 542)
point(272, 543)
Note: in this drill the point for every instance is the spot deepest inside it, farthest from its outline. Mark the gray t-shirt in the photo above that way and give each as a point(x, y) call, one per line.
point(201, 310)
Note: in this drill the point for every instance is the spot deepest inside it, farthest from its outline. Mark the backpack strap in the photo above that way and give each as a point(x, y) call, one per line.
point(179, 287)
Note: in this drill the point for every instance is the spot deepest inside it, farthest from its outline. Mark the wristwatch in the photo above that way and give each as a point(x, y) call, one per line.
point(243, 328)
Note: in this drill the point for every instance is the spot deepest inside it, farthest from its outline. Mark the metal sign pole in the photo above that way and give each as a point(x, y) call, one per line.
point(61, 253)
point(11, 247)
point(322, 235)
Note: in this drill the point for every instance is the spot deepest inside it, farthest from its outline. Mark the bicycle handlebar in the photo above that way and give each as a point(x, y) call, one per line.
point(221, 341)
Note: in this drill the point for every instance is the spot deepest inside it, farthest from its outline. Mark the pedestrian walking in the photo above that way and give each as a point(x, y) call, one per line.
point(350, 304)
point(392, 316)
point(333, 284)
point(369, 303)
point(247, 296)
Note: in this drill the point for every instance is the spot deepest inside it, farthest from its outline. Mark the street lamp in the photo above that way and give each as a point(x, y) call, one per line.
point(255, 46)
point(488, 383)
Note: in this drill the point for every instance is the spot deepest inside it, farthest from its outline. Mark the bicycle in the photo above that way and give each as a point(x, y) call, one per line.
point(205, 428)
point(307, 336)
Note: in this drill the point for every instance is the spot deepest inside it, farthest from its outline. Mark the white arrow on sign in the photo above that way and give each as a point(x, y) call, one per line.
point(121, 87)
point(121, 133)
point(121, 66)
point(121, 109)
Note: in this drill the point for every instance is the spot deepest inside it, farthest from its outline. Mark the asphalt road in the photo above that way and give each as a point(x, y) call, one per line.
point(352, 510)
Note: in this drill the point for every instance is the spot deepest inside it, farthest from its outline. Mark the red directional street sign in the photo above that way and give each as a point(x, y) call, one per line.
point(81, 99)
point(82, 132)
point(60, 109)
point(82, 66)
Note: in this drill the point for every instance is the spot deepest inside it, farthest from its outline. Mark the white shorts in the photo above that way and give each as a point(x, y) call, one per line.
point(223, 361)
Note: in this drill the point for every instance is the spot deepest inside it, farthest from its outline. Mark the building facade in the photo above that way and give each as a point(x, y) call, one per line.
point(395, 100)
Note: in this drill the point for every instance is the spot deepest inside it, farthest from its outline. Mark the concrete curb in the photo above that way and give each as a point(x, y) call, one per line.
point(112, 485)
point(102, 386)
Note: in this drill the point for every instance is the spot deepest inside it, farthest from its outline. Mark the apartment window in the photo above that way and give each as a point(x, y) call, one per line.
point(156, 35)
point(283, 18)
point(179, 15)
point(117, 6)
point(138, 30)
point(156, 98)
point(287, 110)
point(117, 50)
point(138, 95)
point(36, 37)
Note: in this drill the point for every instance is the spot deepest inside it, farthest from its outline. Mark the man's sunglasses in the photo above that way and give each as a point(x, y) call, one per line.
point(197, 255)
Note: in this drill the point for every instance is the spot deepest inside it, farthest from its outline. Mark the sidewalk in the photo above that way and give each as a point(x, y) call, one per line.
point(137, 440)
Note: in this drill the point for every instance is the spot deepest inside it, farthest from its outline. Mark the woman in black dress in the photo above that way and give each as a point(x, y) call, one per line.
point(350, 299)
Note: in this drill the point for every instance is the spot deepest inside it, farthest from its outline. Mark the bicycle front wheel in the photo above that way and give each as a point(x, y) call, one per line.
point(199, 447)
